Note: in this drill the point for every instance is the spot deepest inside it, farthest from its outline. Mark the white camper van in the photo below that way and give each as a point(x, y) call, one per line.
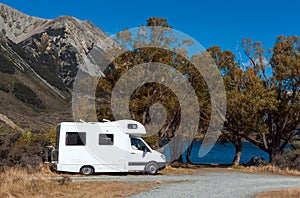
point(104, 147)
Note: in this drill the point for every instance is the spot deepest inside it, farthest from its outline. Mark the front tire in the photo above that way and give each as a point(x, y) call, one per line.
point(151, 168)
point(87, 170)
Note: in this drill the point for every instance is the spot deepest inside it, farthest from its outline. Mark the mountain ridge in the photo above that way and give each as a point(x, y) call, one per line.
point(39, 60)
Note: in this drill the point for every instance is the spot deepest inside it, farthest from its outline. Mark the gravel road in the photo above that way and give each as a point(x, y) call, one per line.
point(209, 184)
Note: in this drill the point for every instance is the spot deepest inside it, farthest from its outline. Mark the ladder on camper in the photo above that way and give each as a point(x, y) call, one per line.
point(49, 154)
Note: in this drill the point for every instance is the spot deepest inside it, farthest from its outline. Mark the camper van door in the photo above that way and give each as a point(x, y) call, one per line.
point(139, 154)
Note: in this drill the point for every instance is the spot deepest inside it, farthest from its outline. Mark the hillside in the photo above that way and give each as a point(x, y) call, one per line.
point(39, 60)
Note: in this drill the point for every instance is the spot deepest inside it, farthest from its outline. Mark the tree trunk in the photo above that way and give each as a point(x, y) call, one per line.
point(273, 151)
point(274, 148)
point(238, 153)
point(179, 159)
point(271, 157)
point(188, 153)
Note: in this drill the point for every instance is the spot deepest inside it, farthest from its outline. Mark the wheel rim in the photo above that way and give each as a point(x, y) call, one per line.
point(152, 169)
point(87, 170)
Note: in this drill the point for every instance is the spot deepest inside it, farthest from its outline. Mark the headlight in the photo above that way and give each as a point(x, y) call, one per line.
point(163, 157)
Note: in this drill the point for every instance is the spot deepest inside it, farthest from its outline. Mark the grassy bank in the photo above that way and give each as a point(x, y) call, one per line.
point(20, 183)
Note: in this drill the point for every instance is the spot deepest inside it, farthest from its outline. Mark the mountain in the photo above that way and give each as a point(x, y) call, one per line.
point(39, 59)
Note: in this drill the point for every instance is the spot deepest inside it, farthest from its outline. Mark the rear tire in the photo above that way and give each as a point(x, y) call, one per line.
point(151, 168)
point(87, 170)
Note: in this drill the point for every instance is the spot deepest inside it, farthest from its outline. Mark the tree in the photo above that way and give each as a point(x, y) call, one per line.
point(155, 93)
point(271, 128)
point(156, 21)
point(261, 108)
point(238, 99)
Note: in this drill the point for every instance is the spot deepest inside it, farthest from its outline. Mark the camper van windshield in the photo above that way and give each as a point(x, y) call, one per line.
point(139, 144)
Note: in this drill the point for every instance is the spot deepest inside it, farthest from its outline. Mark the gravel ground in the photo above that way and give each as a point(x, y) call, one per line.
point(209, 184)
point(223, 184)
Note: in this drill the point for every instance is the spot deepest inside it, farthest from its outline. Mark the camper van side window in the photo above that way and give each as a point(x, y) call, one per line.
point(75, 138)
point(106, 139)
point(132, 126)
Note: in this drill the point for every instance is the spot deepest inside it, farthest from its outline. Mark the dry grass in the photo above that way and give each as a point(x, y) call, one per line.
point(170, 170)
point(269, 169)
point(178, 169)
point(19, 183)
point(26, 183)
point(289, 193)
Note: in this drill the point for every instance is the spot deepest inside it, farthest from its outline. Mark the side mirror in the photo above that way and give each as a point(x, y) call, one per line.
point(134, 147)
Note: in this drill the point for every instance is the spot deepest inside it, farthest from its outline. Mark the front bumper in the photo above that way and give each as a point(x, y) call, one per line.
point(161, 165)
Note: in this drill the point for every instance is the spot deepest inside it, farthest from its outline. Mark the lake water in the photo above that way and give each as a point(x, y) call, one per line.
point(224, 153)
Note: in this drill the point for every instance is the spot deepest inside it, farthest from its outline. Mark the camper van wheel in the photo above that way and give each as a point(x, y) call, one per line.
point(151, 168)
point(87, 170)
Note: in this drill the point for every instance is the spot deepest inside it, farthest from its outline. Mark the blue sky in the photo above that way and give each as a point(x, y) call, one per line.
point(219, 22)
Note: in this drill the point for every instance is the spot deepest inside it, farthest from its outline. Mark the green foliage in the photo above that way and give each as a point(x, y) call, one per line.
point(50, 135)
point(154, 21)
point(261, 108)
point(149, 94)
point(22, 149)
point(12, 151)
point(153, 141)
point(27, 137)
point(25, 94)
point(2, 131)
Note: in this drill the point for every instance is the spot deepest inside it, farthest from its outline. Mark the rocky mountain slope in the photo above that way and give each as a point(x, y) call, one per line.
point(39, 60)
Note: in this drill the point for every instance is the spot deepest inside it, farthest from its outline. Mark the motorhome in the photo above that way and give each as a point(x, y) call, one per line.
point(110, 146)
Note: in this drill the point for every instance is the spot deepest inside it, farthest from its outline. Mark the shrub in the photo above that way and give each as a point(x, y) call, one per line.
point(289, 159)
point(4, 88)
point(6, 66)
point(25, 94)
point(21, 149)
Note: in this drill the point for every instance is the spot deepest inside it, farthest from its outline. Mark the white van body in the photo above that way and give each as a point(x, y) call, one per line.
point(105, 147)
